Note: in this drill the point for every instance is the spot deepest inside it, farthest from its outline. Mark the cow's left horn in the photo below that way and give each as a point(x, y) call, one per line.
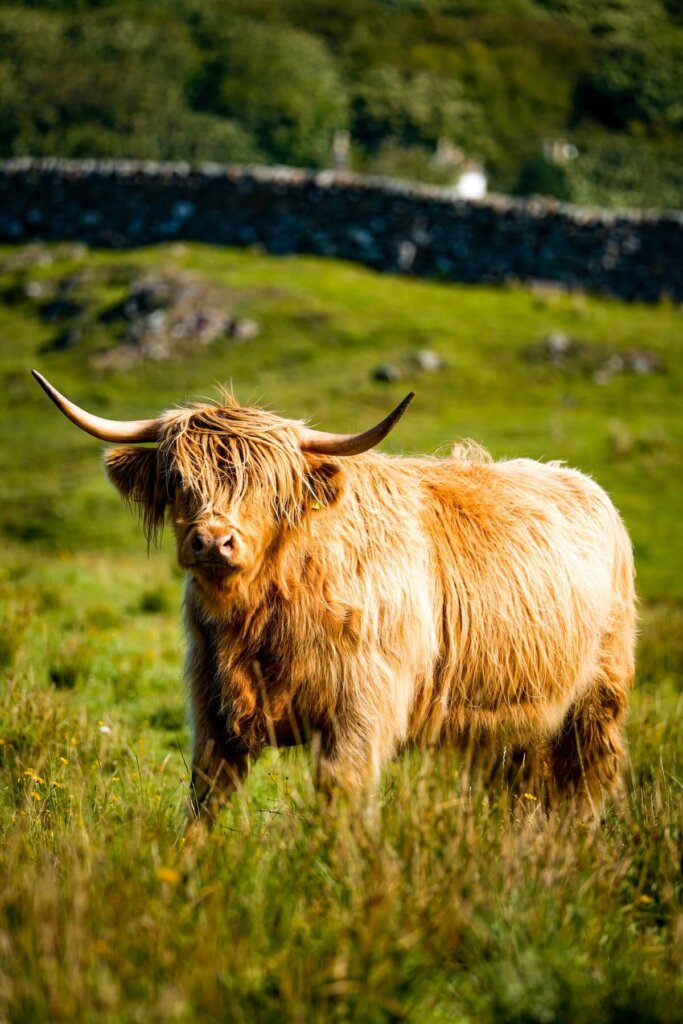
point(105, 430)
point(352, 444)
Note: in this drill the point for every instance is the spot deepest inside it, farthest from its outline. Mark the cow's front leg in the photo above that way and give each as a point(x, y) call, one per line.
point(217, 770)
point(219, 759)
point(347, 762)
point(362, 737)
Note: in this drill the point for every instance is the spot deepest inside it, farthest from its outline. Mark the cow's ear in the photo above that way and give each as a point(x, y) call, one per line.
point(135, 474)
point(326, 481)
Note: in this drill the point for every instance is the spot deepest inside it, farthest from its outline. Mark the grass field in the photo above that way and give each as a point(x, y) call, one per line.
point(450, 904)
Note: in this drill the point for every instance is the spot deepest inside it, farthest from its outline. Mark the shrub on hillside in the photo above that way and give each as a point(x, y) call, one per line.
point(614, 171)
point(410, 109)
point(281, 82)
point(540, 176)
point(109, 87)
point(634, 80)
point(412, 163)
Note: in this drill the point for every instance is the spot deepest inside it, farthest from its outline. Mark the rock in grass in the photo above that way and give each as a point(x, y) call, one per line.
point(243, 330)
point(429, 361)
point(386, 373)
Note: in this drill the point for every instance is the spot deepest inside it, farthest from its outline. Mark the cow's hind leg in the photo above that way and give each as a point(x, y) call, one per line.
point(584, 760)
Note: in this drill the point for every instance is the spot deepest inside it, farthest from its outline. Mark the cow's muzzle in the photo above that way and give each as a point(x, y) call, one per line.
point(212, 548)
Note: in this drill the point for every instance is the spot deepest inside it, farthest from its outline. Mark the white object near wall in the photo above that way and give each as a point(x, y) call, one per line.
point(472, 183)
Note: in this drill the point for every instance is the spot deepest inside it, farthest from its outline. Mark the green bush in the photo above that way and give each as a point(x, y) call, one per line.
point(411, 109)
point(540, 176)
point(109, 87)
point(412, 163)
point(612, 170)
point(634, 81)
point(282, 83)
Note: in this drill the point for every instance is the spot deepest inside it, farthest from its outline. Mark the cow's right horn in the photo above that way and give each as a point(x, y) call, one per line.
point(106, 430)
point(352, 444)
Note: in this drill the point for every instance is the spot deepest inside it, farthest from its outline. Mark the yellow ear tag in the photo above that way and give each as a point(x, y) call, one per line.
point(315, 505)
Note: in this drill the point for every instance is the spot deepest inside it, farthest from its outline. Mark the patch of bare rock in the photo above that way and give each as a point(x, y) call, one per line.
point(161, 314)
point(599, 362)
point(155, 316)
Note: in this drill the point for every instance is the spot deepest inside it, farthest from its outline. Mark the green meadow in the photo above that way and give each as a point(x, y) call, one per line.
point(451, 902)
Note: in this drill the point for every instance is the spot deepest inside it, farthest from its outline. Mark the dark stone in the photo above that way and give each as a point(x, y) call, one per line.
point(387, 373)
point(60, 309)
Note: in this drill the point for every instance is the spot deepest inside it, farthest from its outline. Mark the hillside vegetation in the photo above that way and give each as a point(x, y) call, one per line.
point(451, 902)
point(273, 80)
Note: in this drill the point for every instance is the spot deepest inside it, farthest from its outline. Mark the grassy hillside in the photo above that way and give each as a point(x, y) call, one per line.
point(450, 904)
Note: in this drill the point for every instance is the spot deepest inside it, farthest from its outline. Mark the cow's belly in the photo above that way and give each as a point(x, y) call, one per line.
point(494, 688)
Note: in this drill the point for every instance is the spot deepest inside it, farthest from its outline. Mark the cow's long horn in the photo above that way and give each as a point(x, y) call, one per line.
point(352, 444)
point(105, 430)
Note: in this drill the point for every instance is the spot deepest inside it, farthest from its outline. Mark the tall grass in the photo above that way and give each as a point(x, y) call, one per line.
point(451, 902)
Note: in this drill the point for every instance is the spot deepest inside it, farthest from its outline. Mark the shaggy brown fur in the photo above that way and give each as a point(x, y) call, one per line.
point(379, 601)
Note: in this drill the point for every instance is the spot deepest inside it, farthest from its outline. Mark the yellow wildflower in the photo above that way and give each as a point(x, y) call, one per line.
point(168, 875)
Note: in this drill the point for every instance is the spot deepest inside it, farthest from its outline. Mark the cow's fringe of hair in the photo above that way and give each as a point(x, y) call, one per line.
point(221, 452)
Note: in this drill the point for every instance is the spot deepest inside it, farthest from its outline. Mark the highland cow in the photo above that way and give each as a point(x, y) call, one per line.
point(375, 602)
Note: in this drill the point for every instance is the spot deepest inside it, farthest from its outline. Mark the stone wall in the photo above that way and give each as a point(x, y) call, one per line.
point(389, 225)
